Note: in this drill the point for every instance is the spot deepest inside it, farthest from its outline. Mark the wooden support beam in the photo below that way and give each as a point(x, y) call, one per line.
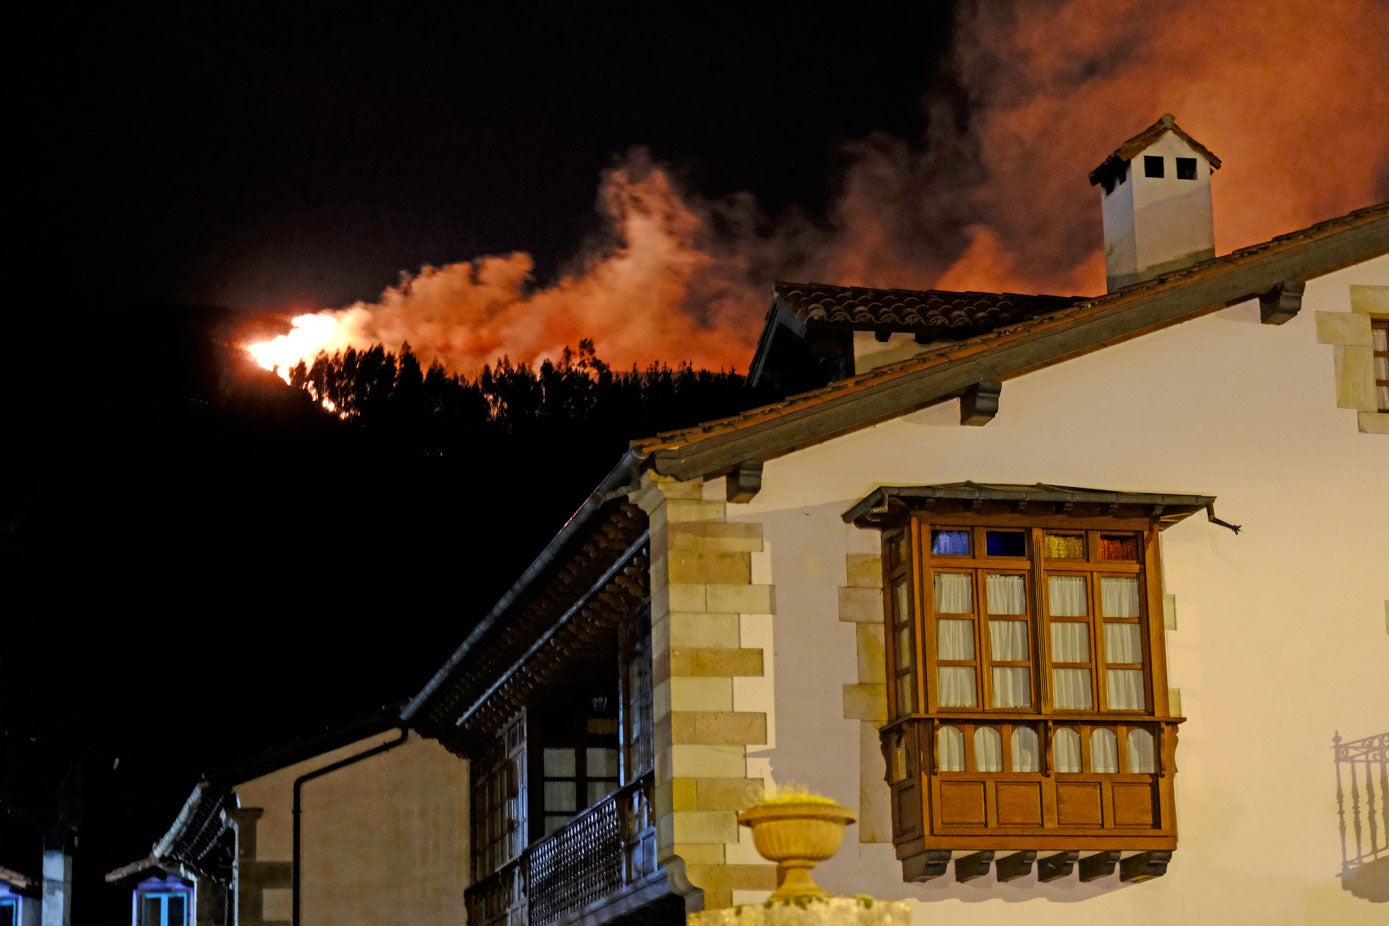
point(744, 481)
point(979, 403)
point(1017, 865)
point(925, 866)
point(1281, 303)
point(1058, 866)
point(1144, 866)
point(1099, 865)
point(969, 867)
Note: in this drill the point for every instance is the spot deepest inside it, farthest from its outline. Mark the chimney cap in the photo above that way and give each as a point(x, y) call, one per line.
point(1113, 164)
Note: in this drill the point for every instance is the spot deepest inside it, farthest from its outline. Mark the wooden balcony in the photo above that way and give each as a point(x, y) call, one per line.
point(1019, 786)
point(598, 868)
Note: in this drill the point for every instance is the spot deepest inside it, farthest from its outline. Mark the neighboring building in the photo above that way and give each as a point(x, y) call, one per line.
point(19, 899)
point(361, 823)
point(1019, 629)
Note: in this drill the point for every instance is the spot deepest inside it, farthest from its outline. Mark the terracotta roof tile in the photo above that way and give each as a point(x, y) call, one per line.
point(936, 313)
point(1125, 152)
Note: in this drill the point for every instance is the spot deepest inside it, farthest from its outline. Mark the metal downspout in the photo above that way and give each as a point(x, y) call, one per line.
point(317, 773)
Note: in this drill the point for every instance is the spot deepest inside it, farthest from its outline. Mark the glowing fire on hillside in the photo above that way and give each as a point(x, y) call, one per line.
point(1002, 204)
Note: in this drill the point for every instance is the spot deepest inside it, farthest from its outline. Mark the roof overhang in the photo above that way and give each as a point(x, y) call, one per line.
point(887, 506)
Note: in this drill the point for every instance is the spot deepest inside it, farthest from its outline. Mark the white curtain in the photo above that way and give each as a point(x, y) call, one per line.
point(1070, 641)
point(1071, 689)
point(1007, 594)
point(1140, 752)
point(950, 749)
point(1012, 686)
point(1066, 750)
point(1008, 641)
point(988, 750)
point(1066, 596)
point(1123, 643)
point(954, 639)
point(1023, 744)
point(1104, 750)
point(956, 686)
point(1125, 689)
point(954, 593)
point(1119, 596)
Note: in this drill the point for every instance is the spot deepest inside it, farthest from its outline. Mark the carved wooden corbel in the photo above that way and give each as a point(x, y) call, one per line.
point(1281, 303)
point(979, 403)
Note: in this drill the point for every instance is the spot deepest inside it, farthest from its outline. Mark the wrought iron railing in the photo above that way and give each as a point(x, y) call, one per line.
point(597, 855)
point(1362, 773)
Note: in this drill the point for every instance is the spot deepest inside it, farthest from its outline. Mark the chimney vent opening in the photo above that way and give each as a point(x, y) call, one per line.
point(1152, 165)
point(1186, 168)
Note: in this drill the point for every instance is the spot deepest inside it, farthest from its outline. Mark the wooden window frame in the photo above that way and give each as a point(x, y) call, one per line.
point(907, 560)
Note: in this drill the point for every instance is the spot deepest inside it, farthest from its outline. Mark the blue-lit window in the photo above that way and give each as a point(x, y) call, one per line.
point(163, 908)
point(949, 543)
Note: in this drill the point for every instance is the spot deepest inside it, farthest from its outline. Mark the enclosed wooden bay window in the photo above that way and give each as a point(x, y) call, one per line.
point(1027, 689)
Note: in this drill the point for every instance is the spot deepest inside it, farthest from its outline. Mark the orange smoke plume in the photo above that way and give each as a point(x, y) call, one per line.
point(1290, 96)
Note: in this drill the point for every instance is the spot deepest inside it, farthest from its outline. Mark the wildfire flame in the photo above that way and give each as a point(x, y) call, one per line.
point(994, 199)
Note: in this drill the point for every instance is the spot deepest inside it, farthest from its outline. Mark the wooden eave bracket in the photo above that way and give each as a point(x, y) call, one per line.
point(979, 403)
point(1281, 303)
point(1145, 865)
point(976, 865)
point(743, 481)
point(926, 865)
point(1058, 866)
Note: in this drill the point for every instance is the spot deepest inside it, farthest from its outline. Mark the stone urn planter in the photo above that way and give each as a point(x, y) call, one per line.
point(797, 833)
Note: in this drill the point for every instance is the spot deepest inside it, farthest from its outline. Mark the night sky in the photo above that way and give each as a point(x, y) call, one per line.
point(480, 183)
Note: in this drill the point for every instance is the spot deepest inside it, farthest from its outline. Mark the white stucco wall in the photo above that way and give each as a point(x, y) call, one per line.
point(383, 841)
point(1281, 636)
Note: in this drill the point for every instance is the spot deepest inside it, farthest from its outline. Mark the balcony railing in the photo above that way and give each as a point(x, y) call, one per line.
point(1362, 790)
point(595, 857)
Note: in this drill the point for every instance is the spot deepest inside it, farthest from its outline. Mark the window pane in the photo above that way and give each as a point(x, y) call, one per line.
point(1122, 643)
point(150, 911)
point(1118, 546)
point(950, 543)
point(1104, 751)
point(1065, 546)
point(988, 750)
point(1066, 595)
point(901, 609)
point(1066, 746)
point(597, 790)
point(1140, 752)
point(1070, 642)
point(559, 763)
point(1381, 338)
point(1012, 687)
point(954, 593)
point(906, 701)
point(957, 686)
point(950, 749)
point(1125, 689)
point(1007, 594)
point(602, 762)
point(1071, 689)
point(1023, 745)
point(1119, 596)
point(904, 646)
point(560, 795)
point(954, 639)
point(175, 910)
point(1008, 641)
point(554, 822)
point(1005, 543)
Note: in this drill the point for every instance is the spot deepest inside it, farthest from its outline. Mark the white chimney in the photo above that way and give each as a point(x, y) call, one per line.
point(1157, 204)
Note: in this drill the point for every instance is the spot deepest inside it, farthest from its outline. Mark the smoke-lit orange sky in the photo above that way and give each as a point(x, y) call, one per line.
point(519, 186)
